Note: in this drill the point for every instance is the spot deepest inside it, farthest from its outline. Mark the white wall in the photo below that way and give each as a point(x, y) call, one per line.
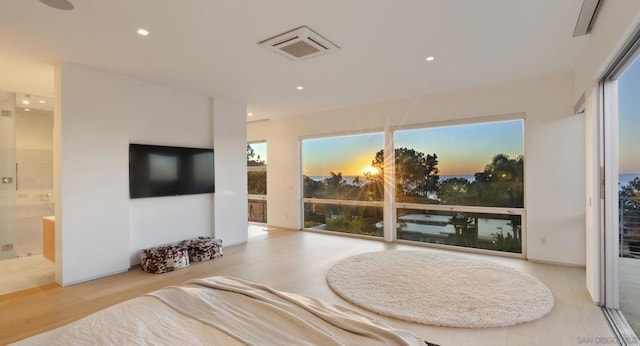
point(91, 180)
point(99, 230)
point(165, 116)
point(615, 23)
point(230, 143)
point(554, 153)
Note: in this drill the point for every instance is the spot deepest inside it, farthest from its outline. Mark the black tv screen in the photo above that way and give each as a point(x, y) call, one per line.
point(156, 171)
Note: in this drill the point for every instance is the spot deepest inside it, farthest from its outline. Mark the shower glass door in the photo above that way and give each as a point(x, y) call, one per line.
point(8, 232)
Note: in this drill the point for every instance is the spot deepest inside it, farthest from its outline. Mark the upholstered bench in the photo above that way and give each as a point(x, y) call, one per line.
point(165, 258)
point(203, 248)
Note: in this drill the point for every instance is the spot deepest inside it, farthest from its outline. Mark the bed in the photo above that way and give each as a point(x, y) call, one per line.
point(225, 311)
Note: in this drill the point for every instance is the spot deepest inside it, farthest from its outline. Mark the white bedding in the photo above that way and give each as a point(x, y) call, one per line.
point(224, 311)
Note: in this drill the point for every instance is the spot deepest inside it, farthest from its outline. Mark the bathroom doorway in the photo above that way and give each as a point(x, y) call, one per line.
point(26, 191)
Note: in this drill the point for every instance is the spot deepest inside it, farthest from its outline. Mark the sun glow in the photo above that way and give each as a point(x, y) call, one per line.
point(370, 170)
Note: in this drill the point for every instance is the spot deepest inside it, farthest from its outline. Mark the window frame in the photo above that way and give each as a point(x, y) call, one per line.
point(337, 202)
point(390, 205)
point(464, 208)
point(256, 197)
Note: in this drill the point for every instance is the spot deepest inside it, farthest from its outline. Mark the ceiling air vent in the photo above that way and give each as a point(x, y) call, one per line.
point(299, 44)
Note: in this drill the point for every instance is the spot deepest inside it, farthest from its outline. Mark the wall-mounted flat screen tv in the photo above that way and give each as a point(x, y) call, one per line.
point(156, 171)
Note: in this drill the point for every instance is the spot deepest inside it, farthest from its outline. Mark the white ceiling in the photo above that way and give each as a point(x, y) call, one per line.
point(209, 46)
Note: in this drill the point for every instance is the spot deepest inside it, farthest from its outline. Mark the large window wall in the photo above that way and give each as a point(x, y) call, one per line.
point(459, 185)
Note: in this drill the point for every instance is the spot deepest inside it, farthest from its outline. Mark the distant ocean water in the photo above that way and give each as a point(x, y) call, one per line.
point(469, 177)
point(349, 179)
point(623, 179)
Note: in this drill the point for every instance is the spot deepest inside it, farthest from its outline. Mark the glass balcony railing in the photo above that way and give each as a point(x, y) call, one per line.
point(494, 229)
point(629, 227)
point(353, 217)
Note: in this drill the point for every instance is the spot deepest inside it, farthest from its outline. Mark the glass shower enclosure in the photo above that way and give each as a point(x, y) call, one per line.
point(8, 181)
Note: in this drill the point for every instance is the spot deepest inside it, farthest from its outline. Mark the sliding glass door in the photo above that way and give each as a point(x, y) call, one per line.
point(621, 162)
point(628, 193)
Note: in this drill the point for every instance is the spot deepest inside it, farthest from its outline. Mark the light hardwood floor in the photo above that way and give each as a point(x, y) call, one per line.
point(296, 261)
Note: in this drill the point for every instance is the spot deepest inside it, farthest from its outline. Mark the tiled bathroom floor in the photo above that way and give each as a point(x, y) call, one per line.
point(22, 273)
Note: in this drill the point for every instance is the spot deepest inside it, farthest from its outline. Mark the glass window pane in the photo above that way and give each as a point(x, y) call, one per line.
point(629, 162)
point(346, 167)
point(363, 220)
point(476, 165)
point(475, 230)
point(257, 154)
point(257, 182)
point(257, 211)
point(629, 192)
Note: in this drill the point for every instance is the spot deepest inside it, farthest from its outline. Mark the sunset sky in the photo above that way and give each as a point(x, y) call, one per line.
point(351, 155)
point(461, 150)
point(465, 149)
point(629, 119)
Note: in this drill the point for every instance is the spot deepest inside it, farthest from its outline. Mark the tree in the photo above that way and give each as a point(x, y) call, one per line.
point(252, 158)
point(333, 187)
point(466, 230)
point(515, 221)
point(257, 183)
point(500, 184)
point(344, 223)
point(629, 196)
point(311, 188)
point(454, 191)
point(256, 179)
point(629, 205)
point(508, 243)
point(632, 189)
point(416, 174)
point(335, 180)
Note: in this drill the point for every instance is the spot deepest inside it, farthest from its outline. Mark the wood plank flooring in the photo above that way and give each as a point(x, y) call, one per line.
point(297, 261)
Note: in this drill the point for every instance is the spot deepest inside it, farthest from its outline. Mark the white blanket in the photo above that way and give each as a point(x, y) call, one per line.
point(225, 311)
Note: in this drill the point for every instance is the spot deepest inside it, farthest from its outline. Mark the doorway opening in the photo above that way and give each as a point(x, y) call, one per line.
point(26, 193)
point(257, 188)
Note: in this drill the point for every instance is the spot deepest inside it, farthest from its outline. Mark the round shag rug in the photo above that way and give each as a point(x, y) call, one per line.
point(440, 289)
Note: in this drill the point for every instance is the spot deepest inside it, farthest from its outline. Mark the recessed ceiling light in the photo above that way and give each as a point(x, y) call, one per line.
point(430, 58)
point(25, 102)
point(27, 109)
point(250, 114)
point(143, 32)
point(42, 101)
point(299, 87)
